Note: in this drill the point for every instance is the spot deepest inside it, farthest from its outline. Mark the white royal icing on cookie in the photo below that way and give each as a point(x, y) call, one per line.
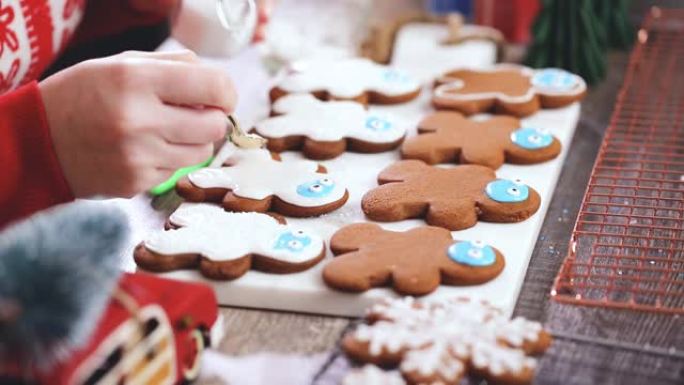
point(254, 174)
point(304, 115)
point(347, 78)
point(389, 337)
point(224, 236)
point(433, 331)
point(449, 90)
point(435, 359)
point(372, 375)
point(498, 359)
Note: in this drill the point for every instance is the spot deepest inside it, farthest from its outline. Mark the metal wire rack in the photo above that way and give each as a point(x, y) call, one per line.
point(627, 248)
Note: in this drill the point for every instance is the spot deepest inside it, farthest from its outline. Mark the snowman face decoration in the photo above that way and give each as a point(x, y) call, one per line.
point(318, 188)
point(555, 80)
point(293, 241)
point(531, 138)
point(378, 124)
point(507, 191)
point(472, 253)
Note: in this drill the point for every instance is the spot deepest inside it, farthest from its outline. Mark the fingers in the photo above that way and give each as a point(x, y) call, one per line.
point(185, 125)
point(264, 9)
point(175, 156)
point(155, 153)
point(183, 55)
point(193, 84)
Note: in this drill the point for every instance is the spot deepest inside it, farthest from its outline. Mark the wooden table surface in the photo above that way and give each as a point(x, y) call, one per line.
point(592, 346)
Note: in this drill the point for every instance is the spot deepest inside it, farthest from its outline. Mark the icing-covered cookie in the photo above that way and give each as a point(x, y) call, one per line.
point(256, 180)
point(454, 198)
point(324, 130)
point(348, 79)
point(414, 262)
point(507, 89)
point(440, 342)
point(224, 245)
point(448, 136)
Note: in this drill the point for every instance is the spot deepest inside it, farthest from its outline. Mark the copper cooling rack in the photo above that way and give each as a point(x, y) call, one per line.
point(627, 248)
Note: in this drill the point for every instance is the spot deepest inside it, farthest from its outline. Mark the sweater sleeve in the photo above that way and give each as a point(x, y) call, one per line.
point(31, 178)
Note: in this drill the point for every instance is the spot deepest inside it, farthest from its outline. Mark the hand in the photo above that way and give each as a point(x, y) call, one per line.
point(121, 125)
point(264, 11)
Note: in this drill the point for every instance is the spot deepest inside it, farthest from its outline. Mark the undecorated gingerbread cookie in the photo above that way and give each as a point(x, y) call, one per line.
point(224, 245)
point(256, 180)
point(348, 79)
point(414, 262)
point(440, 342)
point(324, 130)
point(454, 198)
point(447, 136)
point(507, 89)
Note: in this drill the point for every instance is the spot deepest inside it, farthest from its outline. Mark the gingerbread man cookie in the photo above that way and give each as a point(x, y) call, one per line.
point(507, 89)
point(348, 79)
point(440, 342)
point(224, 245)
point(414, 262)
point(453, 198)
point(448, 136)
point(256, 180)
point(324, 130)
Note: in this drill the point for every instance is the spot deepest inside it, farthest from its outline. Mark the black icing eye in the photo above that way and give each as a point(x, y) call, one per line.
point(513, 191)
point(326, 182)
point(316, 188)
point(475, 253)
point(300, 232)
point(294, 244)
point(535, 138)
point(478, 244)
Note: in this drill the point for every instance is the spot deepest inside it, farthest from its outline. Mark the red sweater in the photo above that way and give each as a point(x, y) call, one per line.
point(32, 34)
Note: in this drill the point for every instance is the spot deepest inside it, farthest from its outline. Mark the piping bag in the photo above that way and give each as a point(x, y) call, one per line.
point(235, 137)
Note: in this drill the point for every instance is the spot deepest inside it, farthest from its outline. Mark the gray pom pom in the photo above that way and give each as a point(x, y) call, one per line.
point(57, 271)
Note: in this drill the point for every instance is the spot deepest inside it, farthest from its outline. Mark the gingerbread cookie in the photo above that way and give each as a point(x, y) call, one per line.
point(440, 342)
point(453, 198)
point(224, 245)
point(414, 262)
point(507, 89)
point(256, 180)
point(448, 136)
point(348, 79)
point(324, 130)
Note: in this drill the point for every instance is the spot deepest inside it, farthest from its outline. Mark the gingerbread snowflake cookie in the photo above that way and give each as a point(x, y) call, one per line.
point(448, 136)
point(414, 262)
point(508, 89)
point(348, 79)
point(256, 180)
point(324, 130)
point(224, 245)
point(454, 198)
point(441, 342)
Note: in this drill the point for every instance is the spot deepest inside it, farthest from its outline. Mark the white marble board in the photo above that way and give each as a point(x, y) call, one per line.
point(306, 291)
